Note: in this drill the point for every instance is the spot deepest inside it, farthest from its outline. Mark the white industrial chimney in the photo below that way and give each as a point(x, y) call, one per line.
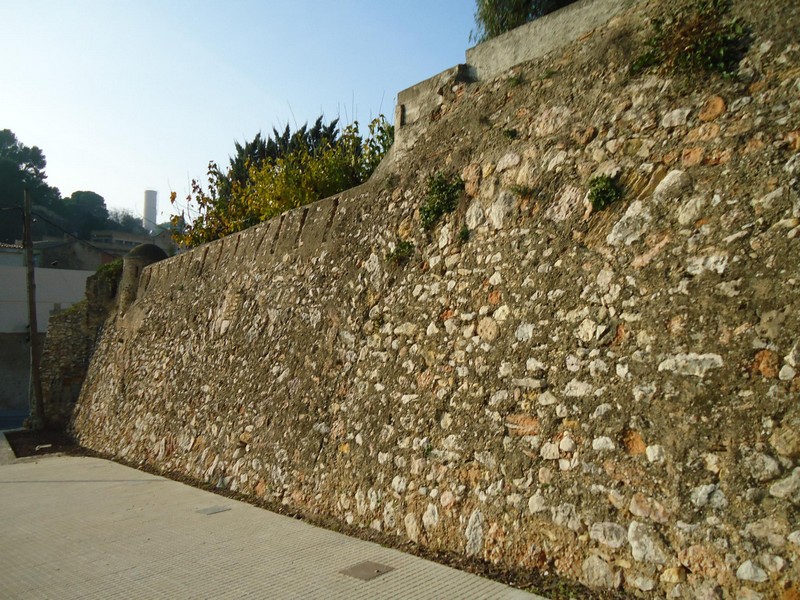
point(150, 210)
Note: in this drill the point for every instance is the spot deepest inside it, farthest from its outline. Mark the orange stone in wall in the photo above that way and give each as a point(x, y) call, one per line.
point(765, 364)
point(713, 107)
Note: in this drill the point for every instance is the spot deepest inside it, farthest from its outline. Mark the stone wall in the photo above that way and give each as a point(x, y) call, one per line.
point(65, 358)
point(69, 345)
point(611, 395)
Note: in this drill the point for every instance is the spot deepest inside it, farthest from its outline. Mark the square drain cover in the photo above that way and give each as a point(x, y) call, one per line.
point(366, 570)
point(212, 510)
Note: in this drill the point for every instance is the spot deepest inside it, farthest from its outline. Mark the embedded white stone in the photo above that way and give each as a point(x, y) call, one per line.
point(501, 209)
point(567, 444)
point(675, 118)
point(691, 364)
point(534, 365)
point(788, 488)
point(502, 313)
point(412, 528)
point(643, 546)
point(537, 503)
point(474, 533)
point(603, 444)
point(475, 216)
point(632, 226)
point(524, 332)
point(547, 399)
point(672, 186)
point(655, 453)
point(512, 159)
point(550, 451)
point(786, 373)
point(748, 571)
point(430, 517)
point(609, 534)
point(577, 389)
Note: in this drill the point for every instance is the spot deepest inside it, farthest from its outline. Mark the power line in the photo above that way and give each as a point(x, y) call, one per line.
point(62, 230)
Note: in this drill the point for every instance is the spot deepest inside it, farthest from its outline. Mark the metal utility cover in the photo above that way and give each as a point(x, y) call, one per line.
point(366, 570)
point(212, 510)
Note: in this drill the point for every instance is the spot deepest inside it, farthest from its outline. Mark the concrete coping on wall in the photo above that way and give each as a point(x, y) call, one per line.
point(411, 101)
point(537, 38)
point(500, 54)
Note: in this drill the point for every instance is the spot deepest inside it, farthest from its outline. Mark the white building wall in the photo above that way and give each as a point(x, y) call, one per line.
point(55, 288)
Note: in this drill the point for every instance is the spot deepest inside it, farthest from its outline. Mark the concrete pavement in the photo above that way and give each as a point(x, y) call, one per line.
point(79, 527)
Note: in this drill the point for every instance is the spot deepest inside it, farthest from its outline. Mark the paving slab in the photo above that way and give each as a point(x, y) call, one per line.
point(81, 527)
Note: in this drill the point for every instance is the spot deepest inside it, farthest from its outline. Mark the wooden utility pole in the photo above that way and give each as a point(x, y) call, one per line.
point(37, 401)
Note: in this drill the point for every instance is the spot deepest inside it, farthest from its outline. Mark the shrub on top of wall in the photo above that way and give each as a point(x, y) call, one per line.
point(293, 171)
point(495, 17)
point(109, 274)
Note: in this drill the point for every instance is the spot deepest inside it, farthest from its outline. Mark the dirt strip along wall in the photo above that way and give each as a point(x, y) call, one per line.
point(610, 394)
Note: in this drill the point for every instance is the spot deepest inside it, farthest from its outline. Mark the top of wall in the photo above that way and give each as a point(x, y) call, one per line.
point(499, 54)
point(541, 36)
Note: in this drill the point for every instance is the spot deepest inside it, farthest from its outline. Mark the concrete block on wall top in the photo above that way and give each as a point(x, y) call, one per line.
point(541, 36)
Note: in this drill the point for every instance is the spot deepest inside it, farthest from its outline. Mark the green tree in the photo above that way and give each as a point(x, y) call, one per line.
point(124, 220)
point(263, 150)
point(86, 212)
point(494, 17)
point(23, 167)
point(282, 172)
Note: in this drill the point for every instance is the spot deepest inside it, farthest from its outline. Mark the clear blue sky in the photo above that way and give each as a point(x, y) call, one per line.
point(124, 96)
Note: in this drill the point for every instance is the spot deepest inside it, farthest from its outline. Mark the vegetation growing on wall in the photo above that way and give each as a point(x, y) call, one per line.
point(402, 253)
point(442, 197)
point(109, 273)
point(700, 37)
point(494, 17)
point(268, 177)
point(603, 190)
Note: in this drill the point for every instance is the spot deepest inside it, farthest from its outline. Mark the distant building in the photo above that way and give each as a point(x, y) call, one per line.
point(69, 253)
point(62, 267)
point(119, 243)
point(56, 253)
point(11, 255)
point(149, 220)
